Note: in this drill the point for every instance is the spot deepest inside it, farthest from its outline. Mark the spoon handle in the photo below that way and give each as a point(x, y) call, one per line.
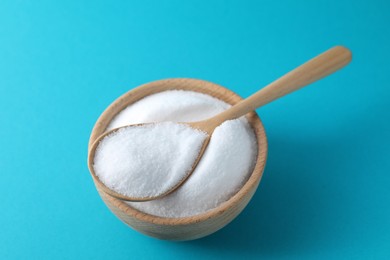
point(313, 70)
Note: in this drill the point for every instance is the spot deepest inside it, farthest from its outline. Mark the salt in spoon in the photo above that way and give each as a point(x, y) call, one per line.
point(313, 70)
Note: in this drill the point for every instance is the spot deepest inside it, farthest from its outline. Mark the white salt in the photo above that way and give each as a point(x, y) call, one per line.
point(225, 166)
point(148, 160)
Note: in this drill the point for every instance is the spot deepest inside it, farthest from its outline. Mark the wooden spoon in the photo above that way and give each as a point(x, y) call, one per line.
point(313, 70)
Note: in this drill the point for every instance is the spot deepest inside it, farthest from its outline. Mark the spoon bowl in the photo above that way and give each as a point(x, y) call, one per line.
point(169, 189)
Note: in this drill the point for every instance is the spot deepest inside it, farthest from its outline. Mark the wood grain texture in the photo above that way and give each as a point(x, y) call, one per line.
point(193, 227)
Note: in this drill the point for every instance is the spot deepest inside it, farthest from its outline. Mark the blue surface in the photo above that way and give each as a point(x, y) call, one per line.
point(326, 188)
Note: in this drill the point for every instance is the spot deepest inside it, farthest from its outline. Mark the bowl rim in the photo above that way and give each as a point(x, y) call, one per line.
point(200, 86)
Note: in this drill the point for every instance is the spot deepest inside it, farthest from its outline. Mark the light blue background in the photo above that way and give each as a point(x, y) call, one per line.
point(326, 188)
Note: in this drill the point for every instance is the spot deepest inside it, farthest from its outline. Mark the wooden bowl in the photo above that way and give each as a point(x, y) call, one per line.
point(186, 228)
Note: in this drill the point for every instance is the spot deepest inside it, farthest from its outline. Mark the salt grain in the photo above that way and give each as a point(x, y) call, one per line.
point(225, 166)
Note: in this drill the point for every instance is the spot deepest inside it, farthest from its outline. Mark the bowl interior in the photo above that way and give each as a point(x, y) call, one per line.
point(190, 85)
